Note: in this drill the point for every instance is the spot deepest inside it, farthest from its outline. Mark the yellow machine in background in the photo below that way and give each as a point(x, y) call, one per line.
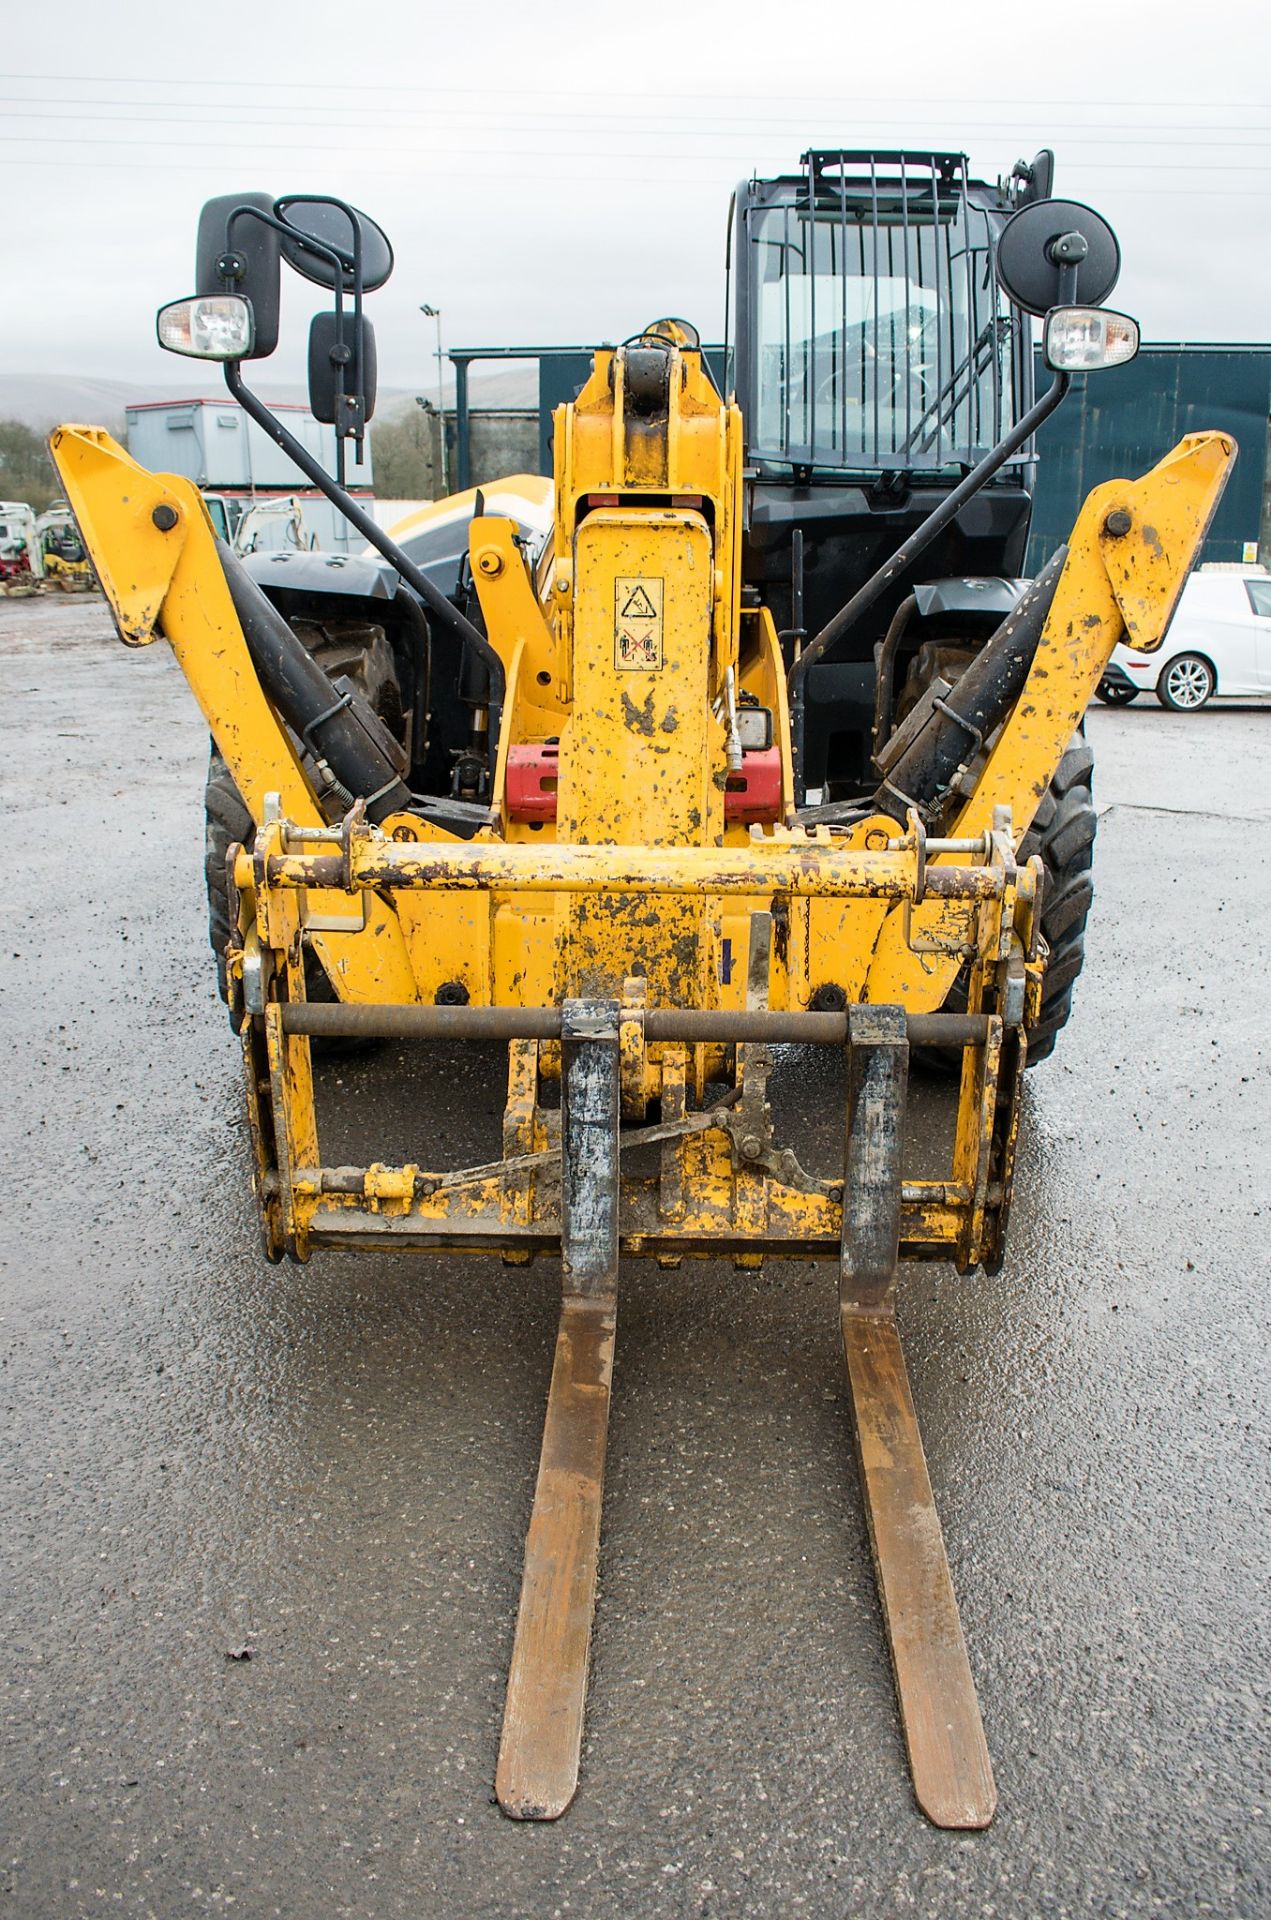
point(63, 561)
point(642, 908)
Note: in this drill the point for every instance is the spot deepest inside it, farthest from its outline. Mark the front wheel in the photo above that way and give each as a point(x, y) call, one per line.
point(229, 823)
point(1063, 833)
point(1186, 684)
point(355, 648)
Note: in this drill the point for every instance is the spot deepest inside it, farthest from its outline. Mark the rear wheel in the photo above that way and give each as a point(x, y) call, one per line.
point(1186, 683)
point(1116, 693)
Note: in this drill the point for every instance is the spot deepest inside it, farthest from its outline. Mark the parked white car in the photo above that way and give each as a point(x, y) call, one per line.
point(1219, 642)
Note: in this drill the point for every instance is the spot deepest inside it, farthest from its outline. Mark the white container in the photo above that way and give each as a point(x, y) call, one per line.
point(215, 444)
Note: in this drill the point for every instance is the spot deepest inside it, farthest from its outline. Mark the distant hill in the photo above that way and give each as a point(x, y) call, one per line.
point(42, 400)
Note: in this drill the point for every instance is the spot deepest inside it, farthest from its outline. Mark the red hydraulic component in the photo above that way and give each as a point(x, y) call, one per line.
point(755, 792)
point(532, 772)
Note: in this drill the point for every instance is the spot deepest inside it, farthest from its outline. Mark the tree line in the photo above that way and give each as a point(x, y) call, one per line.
point(26, 471)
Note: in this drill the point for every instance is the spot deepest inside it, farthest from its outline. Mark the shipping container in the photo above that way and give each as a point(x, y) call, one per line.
point(215, 444)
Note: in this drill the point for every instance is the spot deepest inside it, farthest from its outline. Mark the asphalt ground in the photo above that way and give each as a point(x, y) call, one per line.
point(334, 1465)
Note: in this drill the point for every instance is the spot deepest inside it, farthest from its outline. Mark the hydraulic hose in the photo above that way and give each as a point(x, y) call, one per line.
point(439, 607)
point(921, 537)
point(325, 720)
point(980, 700)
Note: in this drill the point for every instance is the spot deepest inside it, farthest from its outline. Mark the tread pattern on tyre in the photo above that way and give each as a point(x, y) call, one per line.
point(1063, 833)
point(227, 822)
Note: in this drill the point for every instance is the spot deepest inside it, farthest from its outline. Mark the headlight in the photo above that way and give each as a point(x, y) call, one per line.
point(207, 326)
point(1080, 339)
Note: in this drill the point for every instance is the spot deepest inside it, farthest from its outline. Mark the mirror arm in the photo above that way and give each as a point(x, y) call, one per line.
point(339, 383)
point(339, 261)
point(441, 609)
point(332, 254)
point(359, 386)
point(1066, 293)
point(922, 536)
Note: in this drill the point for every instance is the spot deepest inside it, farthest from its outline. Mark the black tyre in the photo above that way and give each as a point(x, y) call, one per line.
point(226, 823)
point(359, 651)
point(1186, 684)
point(1063, 834)
point(1116, 693)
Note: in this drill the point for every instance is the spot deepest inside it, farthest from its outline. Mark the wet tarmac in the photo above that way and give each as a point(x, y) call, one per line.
point(333, 1465)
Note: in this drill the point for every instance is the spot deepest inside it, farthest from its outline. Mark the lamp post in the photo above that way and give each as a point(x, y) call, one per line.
point(434, 313)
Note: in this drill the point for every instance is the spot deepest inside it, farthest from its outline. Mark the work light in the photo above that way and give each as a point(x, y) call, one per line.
point(207, 326)
point(1080, 339)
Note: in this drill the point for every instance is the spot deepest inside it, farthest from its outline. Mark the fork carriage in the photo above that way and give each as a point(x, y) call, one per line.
point(750, 1196)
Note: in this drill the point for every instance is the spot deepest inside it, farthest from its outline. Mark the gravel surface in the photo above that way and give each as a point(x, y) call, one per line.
point(333, 1466)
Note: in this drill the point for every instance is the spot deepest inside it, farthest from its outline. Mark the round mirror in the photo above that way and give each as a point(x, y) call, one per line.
point(1028, 270)
point(331, 224)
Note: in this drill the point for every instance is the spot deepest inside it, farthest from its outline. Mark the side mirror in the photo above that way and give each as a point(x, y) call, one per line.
point(236, 254)
point(1055, 252)
point(207, 326)
point(344, 410)
point(338, 228)
point(1034, 179)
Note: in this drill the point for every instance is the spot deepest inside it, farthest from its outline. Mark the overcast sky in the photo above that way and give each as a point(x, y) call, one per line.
point(562, 173)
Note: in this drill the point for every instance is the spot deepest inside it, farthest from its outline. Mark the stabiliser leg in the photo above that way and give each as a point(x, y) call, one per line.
point(537, 1774)
point(948, 1756)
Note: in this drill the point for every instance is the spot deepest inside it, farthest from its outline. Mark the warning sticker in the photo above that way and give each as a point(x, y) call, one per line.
point(637, 623)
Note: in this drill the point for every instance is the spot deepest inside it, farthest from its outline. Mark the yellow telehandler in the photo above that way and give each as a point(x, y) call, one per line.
point(708, 769)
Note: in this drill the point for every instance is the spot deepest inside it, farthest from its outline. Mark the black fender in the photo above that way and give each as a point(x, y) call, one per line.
point(325, 587)
point(332, 720)
point(290, 571)
point(976, 594)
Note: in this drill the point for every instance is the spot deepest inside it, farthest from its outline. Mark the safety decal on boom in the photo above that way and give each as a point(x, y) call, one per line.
point(637, 623)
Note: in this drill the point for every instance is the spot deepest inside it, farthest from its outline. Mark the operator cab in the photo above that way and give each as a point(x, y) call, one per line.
point(876, 362)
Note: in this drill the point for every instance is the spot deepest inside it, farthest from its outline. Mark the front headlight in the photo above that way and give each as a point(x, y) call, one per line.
point(1082, 339)
point(207, 326)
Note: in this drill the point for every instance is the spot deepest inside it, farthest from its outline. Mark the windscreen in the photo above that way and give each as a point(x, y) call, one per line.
point(881, 341)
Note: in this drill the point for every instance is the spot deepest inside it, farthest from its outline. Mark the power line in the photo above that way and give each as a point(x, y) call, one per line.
point(354, 169)
point(720, 119)
point(551, 153)
point(628, 124)
point(81, 112)
point(803, 104)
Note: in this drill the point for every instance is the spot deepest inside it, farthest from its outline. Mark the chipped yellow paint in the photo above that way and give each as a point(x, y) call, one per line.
point(1112, 587)
point(640, 889)
point(171, 582)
